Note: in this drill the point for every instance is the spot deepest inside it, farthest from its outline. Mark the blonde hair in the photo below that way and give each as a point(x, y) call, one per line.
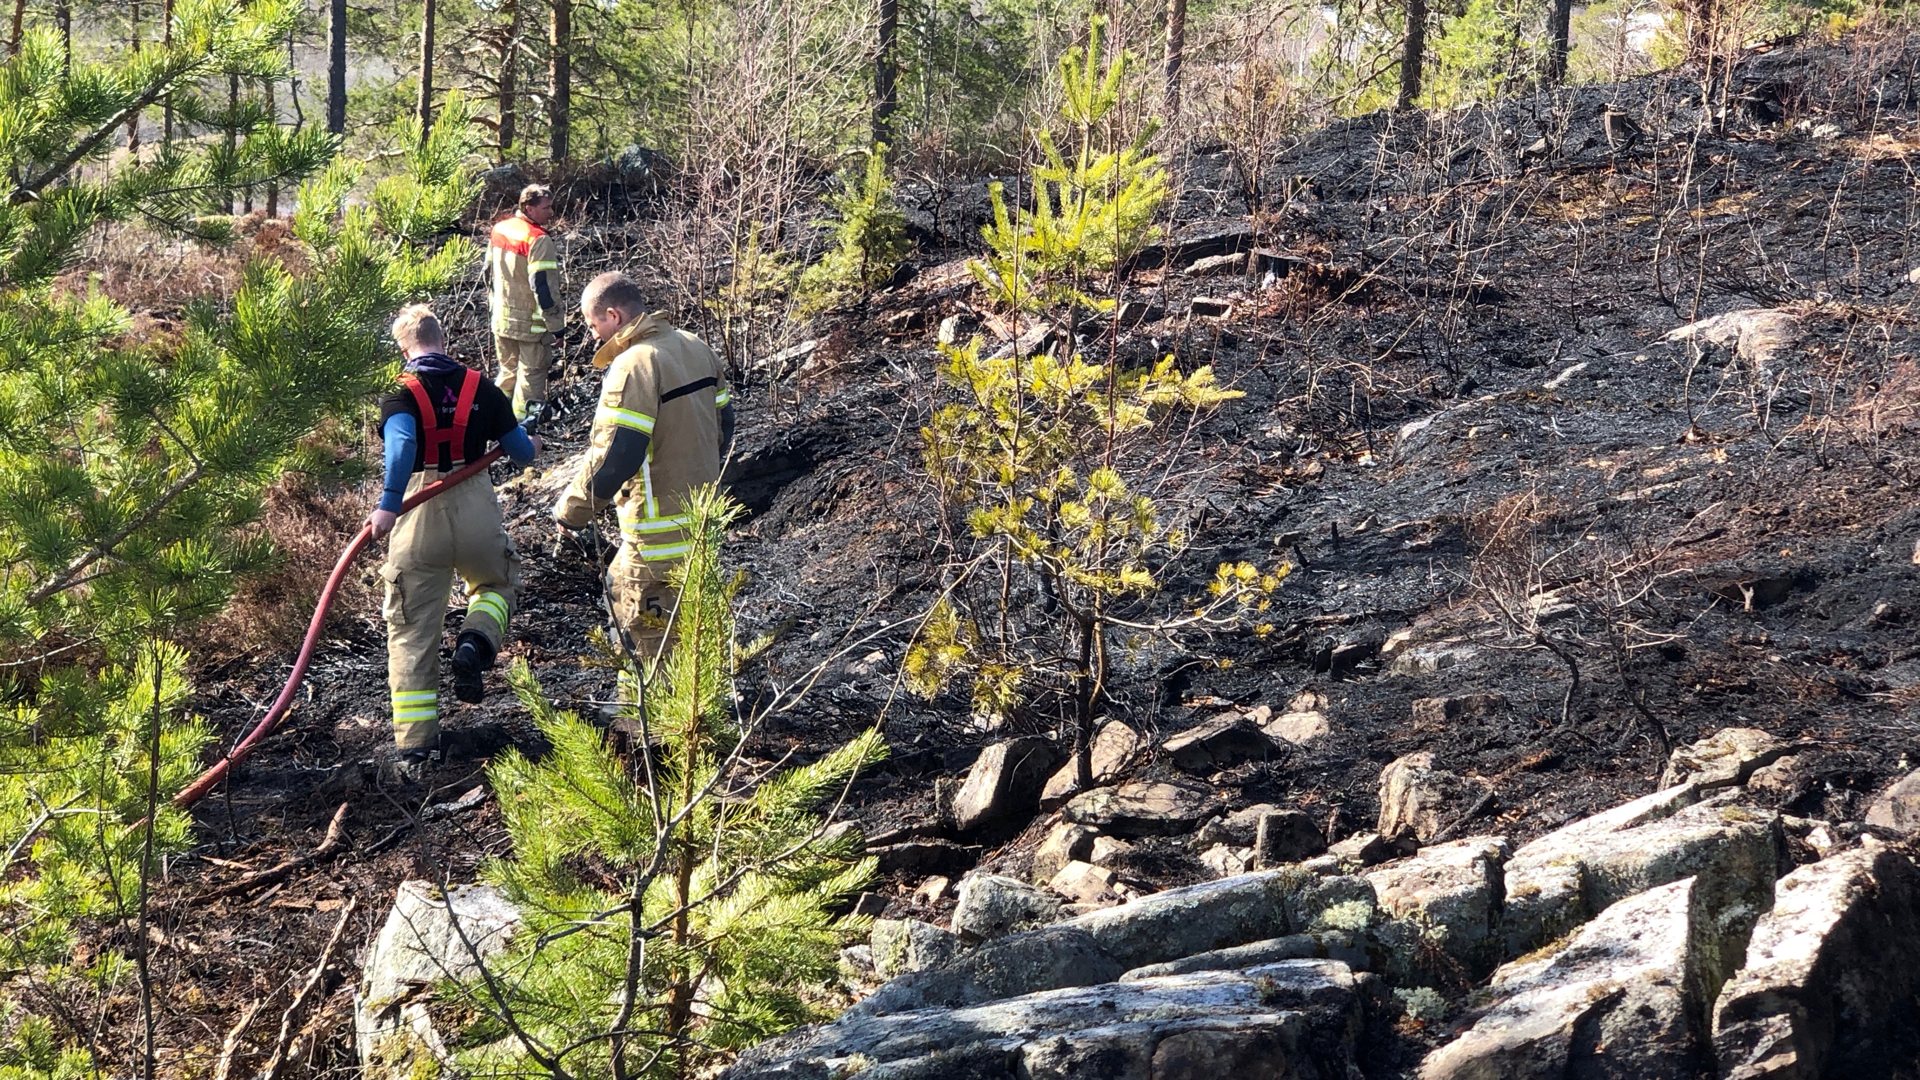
point(418, 327)
point(616, 290)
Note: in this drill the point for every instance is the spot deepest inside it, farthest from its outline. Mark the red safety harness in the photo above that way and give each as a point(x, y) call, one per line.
point(450, 442)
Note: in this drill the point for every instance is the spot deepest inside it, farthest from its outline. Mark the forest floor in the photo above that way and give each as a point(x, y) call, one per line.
point(1462, 426)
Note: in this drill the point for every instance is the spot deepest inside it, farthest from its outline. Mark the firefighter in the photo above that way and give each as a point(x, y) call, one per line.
point(443, 415)
point(527, 316)
point(662, 427)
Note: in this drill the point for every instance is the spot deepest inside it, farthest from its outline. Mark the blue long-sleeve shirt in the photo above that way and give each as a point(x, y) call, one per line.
point(402, 436)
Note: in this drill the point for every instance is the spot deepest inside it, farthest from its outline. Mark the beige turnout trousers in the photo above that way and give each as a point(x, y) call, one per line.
point(523, 371)
point(459, 531)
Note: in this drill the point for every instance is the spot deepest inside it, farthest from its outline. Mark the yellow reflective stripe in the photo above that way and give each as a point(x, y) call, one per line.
point(543, 264)
point(625, 418)
point(404, 697)
point(491, 604)
point(664, 552)
point(722, 399)
point(415, 716)
point(659, 524)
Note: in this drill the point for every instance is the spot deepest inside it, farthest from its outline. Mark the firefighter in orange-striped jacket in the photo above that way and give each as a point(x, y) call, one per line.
point(527, 315)
point(443, 415)
point(661, 429)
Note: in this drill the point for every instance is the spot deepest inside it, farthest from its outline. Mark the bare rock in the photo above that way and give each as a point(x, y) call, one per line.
point(1418, 799)
point(1084, 883)
point(1114, 747)
point(1369, 849)
point(1333, 945)
point(1440, 711)
point(1064, 843)
point(1004, 783)
point(1237, 829)
point(1218, 914)
point(1142, 808)
point(1218, 264)
point(1048, 958)
point(989, 906)
point(932, 890)
point(1831, 973)
point(903, 945)
point(430, 935)
point(1453, 892)
point(1292, 1020)
point(1298, 727)
point(1728, 756)
point(1620, 999)
point(1107, 850)
point(1219, 742)
point(1564, 878)
point(924, 856)
point(1898, 807)
point(1226, 861)
point(1285, 836)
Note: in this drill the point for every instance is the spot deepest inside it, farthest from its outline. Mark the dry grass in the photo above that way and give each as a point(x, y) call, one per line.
point(145, 270)
point(308, 526)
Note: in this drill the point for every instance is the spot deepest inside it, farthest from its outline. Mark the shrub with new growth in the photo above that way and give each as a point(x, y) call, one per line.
point(870, 240)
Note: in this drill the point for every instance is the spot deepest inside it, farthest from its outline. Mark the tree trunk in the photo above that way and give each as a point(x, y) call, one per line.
point(133, 42)
point(425, 108)
point(886, 72)
point(1414, 53)
point(1559, 40)
point(337, 67)
point(510, 80)
point(19, 27)
point(1176, 53)
point(233, 131)
point(560, 80)
point(63, 18)
point(166, 109)
point(273, 119)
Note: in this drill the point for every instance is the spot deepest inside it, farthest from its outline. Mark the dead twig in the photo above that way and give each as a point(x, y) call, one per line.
point(288, 1019)
point(232, 1044)
point(327, 849)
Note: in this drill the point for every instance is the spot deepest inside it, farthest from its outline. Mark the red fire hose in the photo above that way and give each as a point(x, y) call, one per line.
point(198, 790)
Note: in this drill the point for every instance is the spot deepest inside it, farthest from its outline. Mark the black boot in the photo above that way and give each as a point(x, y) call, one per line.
point(472, 656)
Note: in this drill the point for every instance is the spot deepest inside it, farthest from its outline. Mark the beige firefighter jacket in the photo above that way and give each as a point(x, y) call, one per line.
point(668, 385)
point(518, 250)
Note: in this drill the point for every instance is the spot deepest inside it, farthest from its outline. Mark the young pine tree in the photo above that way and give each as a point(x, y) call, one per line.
point(1040, 456)
point(870, 240)
point(679, 903)
point(132, 470)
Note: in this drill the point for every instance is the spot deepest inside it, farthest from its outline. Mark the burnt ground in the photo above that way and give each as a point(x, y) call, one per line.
point(1461, 427)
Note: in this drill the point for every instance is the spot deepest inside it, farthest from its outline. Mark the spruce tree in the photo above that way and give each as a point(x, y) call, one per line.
point(679, 901)
point(132, 468)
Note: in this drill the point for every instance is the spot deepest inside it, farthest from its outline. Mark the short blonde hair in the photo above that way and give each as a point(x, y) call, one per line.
point(616, 290)
point(418, 327)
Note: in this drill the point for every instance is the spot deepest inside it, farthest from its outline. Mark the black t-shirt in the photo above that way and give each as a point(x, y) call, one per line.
point(491, 419)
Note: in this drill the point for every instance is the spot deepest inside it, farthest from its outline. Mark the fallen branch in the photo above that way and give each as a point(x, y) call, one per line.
point(435, 812)
point(232, 1045)
point(329, 847)
point(287, 1020)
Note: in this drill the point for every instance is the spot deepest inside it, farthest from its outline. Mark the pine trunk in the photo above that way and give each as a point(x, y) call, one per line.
point(1176, 53)
point(337, 67)
point(509, 80)
point(19, 27)
point(886, 72)
point(63, 17)
point(1559, 40)
point(273, 119)
point(425, 108)
point(133, 43)
point(166, 109)
point(560, 80)
point(1414, 53)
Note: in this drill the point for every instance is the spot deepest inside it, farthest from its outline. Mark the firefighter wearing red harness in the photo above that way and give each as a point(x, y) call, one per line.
point(444, 415)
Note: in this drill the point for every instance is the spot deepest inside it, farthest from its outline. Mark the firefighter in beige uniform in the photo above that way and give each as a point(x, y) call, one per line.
point(664, 420)
point(443, 415)
point(527, 316)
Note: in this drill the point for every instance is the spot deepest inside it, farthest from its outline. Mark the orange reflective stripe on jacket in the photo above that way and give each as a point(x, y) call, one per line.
point(517, 234)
